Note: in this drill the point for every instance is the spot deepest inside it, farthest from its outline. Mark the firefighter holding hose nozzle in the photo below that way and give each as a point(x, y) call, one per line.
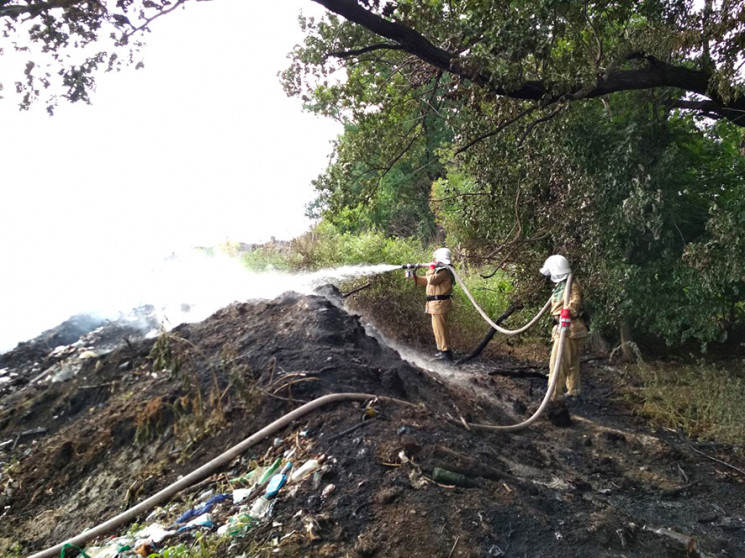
point(557, 267)
point(439, 284)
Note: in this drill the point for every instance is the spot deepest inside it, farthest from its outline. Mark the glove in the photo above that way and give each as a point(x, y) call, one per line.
point(564, 319)
point(409, 273)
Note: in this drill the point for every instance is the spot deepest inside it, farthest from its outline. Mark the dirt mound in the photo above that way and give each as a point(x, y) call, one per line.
point(398, 479)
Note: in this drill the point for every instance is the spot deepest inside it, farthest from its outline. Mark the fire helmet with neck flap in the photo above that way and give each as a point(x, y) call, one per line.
point(442, 255)
point(557, 267)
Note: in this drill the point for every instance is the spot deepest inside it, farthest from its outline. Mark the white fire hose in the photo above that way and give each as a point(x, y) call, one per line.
point(560, 350)
point(208, 468)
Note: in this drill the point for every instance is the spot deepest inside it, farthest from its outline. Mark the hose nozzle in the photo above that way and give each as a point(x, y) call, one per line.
point(415, 266)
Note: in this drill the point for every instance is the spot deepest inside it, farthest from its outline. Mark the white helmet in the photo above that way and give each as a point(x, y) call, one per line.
point(442, 255)
point(557, 267)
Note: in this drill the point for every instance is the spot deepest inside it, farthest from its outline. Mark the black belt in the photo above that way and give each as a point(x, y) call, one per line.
point(438, 297)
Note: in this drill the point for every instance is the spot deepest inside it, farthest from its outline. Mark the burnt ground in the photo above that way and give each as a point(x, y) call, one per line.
point(127, 422)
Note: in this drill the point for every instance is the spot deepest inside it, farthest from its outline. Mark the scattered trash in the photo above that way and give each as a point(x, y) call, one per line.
point(306, 469)
point(277, 481)
point(204, 520)
point(194, 512)
point(262, 507)
point(154, 533)
point(318, 475)
point(237, 525)
point(241, 494)
point(328, 489)
point(204, 496)
point(443, 476)
point(267, 474)
point(312, 528)
point(112, 548)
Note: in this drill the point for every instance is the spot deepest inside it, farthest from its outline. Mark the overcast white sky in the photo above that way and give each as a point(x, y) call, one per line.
point(199, 147)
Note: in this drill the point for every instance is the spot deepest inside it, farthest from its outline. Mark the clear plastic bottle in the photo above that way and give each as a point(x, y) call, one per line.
point(306, 469)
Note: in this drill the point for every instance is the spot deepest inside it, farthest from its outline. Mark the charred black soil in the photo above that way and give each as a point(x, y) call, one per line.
point(590, 479)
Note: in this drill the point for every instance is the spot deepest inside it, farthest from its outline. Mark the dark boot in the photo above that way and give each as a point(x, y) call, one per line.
point(444, 355)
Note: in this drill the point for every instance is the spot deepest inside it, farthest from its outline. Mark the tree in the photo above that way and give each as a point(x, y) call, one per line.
point(555, 51)
point(637, 187)
point(543, 51)
point(66, 42)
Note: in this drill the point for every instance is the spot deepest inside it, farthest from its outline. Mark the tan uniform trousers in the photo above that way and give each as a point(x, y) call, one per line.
point(440, 329)
point(569, 370)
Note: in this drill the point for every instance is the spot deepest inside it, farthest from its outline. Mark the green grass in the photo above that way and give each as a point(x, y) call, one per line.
point(703, 401)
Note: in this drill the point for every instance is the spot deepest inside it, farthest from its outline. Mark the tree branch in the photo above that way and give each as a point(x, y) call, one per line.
point(533, 124)
point(494, 132)
point(654, 74)
point(459, 196)
point(363, 50)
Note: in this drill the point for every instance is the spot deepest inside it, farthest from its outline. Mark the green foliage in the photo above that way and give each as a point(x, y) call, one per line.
point(646, 202)
point(267, 258)
point(325, 246)
point(639, 201)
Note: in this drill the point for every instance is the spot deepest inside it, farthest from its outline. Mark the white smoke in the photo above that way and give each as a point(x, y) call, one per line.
point(182, 288)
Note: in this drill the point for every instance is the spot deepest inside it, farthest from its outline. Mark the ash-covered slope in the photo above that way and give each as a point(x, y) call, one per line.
point(133, 420)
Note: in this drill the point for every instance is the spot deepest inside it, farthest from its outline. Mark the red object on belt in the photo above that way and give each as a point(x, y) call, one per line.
point(564, 318)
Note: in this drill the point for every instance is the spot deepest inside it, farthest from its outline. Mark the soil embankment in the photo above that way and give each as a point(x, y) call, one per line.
point(81, 439)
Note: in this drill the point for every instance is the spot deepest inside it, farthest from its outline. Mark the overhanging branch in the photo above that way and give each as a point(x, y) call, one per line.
point(363, 50)
point(654, 74)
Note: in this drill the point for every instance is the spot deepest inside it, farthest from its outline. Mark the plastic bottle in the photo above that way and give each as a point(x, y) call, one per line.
point(445, 476)
point(306, 469)
point(277, 482)
point(249, 477)
point(266, 475)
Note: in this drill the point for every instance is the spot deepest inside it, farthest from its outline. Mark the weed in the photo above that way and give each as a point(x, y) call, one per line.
point(701, 400)
point(203, 547)
point(163, 356)
point(149, 421)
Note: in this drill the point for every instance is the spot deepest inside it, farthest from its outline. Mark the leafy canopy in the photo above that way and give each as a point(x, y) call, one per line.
point(581, 128)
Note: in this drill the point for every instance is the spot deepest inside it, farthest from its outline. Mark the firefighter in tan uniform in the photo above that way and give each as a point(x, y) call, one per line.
point(558, 268)
point(439, 283)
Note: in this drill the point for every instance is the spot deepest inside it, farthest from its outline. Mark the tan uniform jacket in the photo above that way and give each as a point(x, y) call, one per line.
point(577, 329)
point(439, 281)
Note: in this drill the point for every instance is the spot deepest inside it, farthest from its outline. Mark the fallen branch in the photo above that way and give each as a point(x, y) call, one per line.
point(685, 543)
point(348, 430)
point(454, 545)
point(485, 341)
point(94, 386)
point(719, 461)
point(358, 289)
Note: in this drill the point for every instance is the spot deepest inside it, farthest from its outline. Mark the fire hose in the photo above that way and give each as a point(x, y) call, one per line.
point(564, 326)
point(208, 468)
